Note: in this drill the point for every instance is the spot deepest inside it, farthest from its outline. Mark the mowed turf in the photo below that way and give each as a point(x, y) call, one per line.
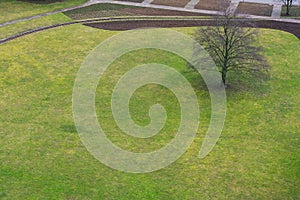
point(42, 157)
point(13, 9)
point(20, 27)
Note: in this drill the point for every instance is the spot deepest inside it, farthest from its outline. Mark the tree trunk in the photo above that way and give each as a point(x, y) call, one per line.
point(224, 73)
point(289, 4)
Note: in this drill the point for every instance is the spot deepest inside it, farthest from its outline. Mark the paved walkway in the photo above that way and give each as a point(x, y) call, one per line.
point(276, 11)
point(147, 1)
point(188, 8)
point(192, 4)
point(295, 2)
point(233, 6)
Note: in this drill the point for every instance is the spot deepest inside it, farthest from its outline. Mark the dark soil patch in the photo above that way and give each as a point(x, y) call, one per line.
point(135, 24)
point(254, 9)
point(217, 5)
point(109, 10)
point(176, 3)
point(158, 12)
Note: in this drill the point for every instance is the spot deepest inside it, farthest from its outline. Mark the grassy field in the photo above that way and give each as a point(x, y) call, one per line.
point(13, 9)
point(42, 157)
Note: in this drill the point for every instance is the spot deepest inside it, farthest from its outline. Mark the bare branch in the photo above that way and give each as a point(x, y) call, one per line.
point(232, 47)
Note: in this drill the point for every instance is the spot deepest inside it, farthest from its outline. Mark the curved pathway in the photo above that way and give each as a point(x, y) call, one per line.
point(45, 14)
point(188, 8)
point(176, 22)
point(146, 3)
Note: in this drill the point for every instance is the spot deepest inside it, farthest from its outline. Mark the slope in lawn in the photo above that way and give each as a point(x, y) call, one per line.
point(13, 9)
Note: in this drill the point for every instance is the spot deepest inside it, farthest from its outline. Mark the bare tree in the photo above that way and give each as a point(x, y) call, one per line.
point(288, 4)
point(233, 47)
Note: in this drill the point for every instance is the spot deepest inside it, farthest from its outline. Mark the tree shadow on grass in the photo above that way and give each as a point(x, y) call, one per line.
point(69, 128)
point(238, 82)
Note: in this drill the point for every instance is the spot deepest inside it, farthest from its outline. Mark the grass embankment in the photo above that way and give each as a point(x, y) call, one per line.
point(12, 9)
point(42, 157)
point(20, 27)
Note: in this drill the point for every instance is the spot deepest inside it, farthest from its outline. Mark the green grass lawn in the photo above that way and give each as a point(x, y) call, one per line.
point(13, 9)
point(42, 157)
